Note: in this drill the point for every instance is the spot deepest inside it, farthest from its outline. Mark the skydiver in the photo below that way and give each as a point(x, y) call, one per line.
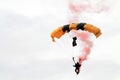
point(77, 66)
point(74, 41)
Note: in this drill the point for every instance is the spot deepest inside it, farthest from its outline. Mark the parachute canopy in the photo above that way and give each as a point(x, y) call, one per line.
point(60, 31)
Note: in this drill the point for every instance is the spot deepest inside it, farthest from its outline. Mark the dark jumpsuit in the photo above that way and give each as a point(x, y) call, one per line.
point(77, 67)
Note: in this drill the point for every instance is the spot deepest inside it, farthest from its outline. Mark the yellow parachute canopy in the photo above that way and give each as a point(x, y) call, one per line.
point(57, 33)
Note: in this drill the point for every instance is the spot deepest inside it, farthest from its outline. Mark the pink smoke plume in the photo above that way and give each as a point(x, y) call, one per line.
point(85, 39)
point(76, 8)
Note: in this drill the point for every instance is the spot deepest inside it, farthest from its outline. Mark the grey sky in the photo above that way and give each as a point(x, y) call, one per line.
point(27, 52)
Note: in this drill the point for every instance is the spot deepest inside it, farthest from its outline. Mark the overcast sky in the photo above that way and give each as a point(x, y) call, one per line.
point(27, 52)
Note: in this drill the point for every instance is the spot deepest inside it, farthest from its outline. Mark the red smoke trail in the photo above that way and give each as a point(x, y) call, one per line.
point(84, 37)
point(77, 7)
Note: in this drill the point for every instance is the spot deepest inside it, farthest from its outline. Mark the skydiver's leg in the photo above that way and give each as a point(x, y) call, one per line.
point(77, 70)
